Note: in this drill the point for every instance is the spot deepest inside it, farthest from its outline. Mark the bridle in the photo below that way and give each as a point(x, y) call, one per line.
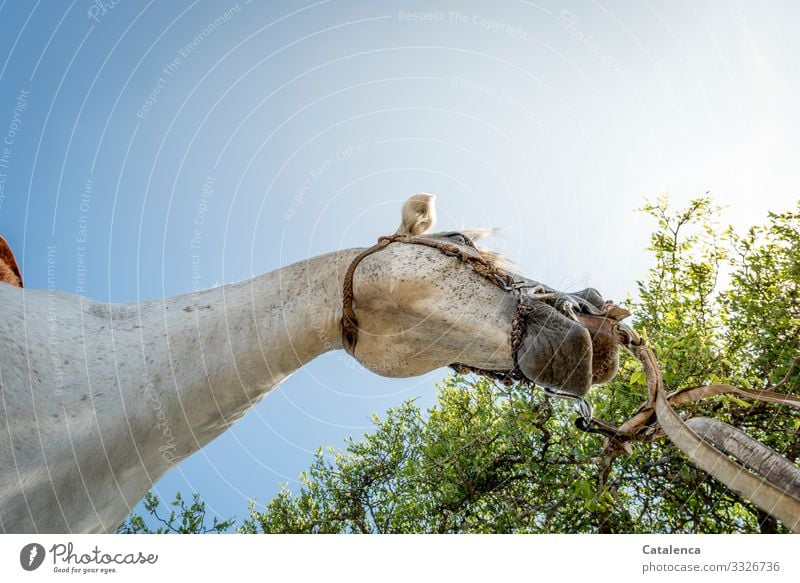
point(469, 255)
point(705, 453)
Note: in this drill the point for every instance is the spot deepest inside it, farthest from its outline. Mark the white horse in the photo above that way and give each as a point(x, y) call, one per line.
point(99, 401)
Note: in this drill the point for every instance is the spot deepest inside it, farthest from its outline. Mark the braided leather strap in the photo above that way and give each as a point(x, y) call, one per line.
point(472, 258)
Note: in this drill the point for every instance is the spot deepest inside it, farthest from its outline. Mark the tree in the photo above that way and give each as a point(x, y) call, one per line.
point(717, 307)
point(189, 519)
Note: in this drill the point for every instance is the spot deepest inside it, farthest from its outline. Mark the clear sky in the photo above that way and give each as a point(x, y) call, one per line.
point(283, 130)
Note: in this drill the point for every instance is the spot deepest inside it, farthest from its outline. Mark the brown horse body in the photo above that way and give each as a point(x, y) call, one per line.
point(9, 271)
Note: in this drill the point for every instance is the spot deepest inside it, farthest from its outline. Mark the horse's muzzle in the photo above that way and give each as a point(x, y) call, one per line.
point(570, 355)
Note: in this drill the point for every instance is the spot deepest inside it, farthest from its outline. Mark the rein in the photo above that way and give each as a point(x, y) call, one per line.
point(711, 454)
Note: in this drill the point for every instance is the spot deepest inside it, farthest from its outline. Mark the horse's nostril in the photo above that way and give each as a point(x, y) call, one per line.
point(556, 352)
point(605, 346)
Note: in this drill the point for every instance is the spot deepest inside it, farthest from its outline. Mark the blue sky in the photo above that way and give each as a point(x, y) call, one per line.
point(312, 121)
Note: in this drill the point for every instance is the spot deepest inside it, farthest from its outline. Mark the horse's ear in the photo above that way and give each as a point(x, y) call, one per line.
point(9, 271)
point(419, 215)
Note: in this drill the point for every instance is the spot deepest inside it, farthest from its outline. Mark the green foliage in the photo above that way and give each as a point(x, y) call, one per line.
point(472, 464)
point(717, 308)
point(184, 519)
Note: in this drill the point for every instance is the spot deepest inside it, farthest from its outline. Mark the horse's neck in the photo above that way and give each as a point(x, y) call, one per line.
point(100, 401)
point(210, 356)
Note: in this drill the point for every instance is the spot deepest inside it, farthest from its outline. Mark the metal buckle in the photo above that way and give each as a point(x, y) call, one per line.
point(582, 406)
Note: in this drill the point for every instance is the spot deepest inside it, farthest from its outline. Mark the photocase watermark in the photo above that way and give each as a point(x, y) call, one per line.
point(318, 172)
point(67, 559)
point(81, 237)
point(99, 8)
point(180, 57)
point(168, 449)
point(52, 324)
point(737, 11)
point(206, 193)
point(384, 366)
point(6, 148)
point(509, 102)
point(664, 83)
point(319, 323)
point(479, 20)
point(569, 22)
point(31, 556)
